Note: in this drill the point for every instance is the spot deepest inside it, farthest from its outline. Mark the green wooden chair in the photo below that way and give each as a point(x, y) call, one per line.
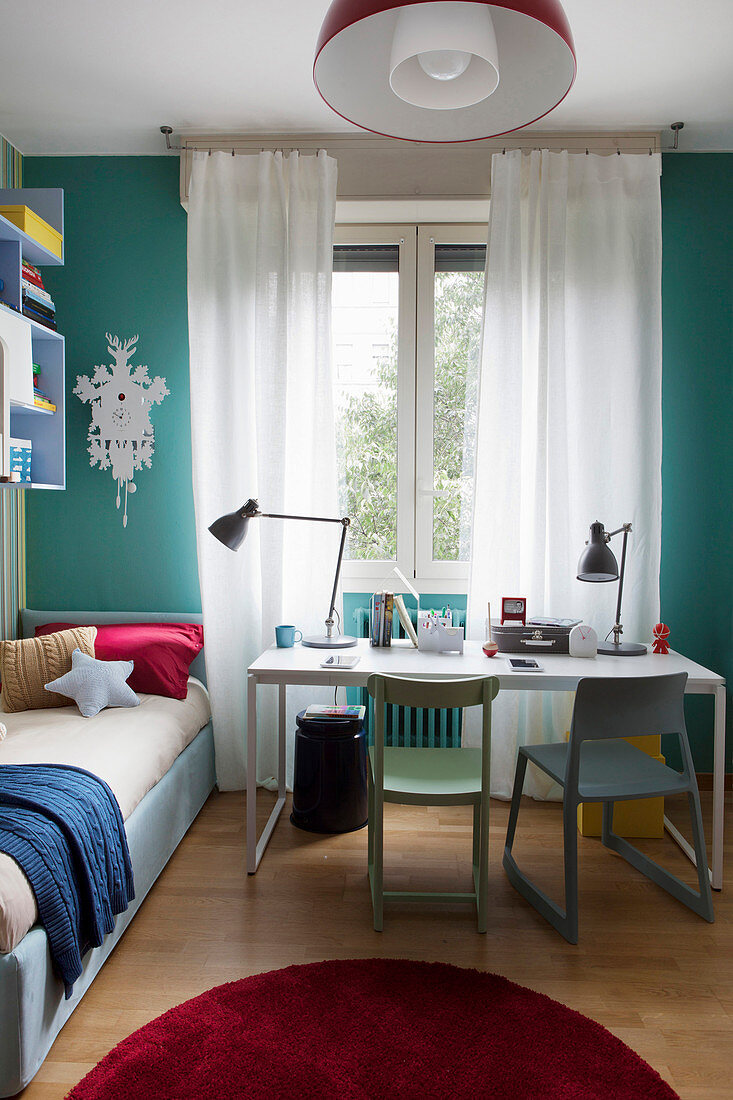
point(597, 765)
point(430, 777)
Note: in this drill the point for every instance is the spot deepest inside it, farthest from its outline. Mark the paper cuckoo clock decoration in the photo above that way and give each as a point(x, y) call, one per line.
point(121, 436)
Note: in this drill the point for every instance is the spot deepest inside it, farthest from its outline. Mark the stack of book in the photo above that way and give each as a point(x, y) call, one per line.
point(37, 302)
point(382, 609)
point(381, 612)
point(321, 712)
point(40, 399)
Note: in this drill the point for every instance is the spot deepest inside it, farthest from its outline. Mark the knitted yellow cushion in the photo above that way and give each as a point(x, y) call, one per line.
point(29, 663)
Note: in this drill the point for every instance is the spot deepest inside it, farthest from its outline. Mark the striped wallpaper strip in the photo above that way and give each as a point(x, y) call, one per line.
point(11, 165)
point(12, 501)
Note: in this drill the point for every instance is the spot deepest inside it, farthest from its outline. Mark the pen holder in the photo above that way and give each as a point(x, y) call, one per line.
point(436, 635)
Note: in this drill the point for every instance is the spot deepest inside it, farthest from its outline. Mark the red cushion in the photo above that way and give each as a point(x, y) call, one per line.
point(162, 652)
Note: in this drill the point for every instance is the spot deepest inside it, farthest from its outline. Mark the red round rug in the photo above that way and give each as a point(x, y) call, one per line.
point(367, 1028)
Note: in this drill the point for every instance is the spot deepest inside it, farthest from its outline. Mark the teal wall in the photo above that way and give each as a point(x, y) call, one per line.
point(697, 415)
point(125, 273)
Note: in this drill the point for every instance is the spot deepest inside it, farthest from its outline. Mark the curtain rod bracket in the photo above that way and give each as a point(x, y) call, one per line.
point(166, 131)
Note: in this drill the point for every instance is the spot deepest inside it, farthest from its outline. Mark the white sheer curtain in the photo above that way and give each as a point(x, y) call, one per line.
point(569, 425)
point(260, 245)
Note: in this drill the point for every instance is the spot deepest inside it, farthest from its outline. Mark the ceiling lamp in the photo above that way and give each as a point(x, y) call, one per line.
point(444, 71)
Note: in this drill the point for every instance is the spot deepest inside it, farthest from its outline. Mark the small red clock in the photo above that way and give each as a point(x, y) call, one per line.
point(514, 609)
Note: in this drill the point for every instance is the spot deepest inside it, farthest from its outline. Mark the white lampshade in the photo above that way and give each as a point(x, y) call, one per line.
point(445, 71)
point(444, 55)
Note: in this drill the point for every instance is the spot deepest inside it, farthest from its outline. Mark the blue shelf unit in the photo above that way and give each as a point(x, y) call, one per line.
point(45, 429)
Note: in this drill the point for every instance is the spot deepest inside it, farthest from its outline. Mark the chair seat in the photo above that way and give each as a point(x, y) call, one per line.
point(431, 774)
point(609, 770)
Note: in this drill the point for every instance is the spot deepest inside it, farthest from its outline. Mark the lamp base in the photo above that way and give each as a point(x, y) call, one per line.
point(321, 641)
point(623, 649)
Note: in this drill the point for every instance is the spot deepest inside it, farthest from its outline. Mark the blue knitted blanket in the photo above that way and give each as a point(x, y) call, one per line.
point(63, 826)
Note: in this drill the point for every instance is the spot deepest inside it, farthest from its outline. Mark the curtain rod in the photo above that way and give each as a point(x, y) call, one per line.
point(167, 131)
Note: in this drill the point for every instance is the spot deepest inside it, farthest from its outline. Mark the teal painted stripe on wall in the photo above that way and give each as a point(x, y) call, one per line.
point(125, 273)
point(697, 418)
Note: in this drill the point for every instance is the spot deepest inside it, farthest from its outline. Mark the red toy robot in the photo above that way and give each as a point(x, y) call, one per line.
point(661, 634)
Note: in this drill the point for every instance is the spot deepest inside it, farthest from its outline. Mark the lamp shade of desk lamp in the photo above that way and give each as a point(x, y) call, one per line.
point(231, 530)
point(598, 564)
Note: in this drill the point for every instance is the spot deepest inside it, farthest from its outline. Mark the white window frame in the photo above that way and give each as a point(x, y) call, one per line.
point(426, 568)
point(361, 575)
point(415, 375)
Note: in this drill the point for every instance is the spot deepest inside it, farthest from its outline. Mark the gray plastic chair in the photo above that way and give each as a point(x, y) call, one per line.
point(596, 766)
point(430, 777)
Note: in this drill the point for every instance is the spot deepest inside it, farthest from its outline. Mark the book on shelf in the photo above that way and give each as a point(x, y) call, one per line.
point(30, 290)
point(374, 613)
point(321, 711)
point(40, 307)
point(388, 613)
point(43, 403)
point(36, 315)
point(405, 619)
point(32, 275)
point(381, 603)
point(381, 618)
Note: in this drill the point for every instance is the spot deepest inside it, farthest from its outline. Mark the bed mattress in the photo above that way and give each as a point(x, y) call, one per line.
point(130, 749)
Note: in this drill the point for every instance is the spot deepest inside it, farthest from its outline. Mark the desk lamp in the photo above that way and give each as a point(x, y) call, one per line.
point(231, 529)
point(597, 563)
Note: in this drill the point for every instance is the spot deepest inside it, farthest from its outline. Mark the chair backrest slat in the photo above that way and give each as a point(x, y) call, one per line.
point(444, 694)
point(628, 708)
point(638, 707)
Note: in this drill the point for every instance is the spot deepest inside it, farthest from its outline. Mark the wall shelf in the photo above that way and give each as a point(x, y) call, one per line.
point(25, 407)
point(45, 429)
point(34, 252)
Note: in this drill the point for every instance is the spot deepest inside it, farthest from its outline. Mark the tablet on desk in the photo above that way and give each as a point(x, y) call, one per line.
point(524, 664)
point(340, 661)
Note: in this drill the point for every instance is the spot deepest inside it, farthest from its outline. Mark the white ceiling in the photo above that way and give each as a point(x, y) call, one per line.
point(99, 76)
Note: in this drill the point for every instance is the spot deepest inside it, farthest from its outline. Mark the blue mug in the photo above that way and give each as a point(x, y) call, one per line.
point(285, 636)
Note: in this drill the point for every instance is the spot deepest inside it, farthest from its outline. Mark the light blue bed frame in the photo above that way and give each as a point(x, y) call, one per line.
point(32, 1005)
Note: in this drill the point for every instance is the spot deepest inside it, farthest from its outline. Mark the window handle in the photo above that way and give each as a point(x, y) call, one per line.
point(430, 492)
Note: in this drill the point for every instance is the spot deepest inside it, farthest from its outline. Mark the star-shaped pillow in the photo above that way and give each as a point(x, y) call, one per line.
point(94, 685)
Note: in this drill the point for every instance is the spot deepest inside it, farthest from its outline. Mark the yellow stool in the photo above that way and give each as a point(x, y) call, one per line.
point(639, 817)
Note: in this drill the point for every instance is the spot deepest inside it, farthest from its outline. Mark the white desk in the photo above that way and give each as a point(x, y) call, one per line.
point(300, 665)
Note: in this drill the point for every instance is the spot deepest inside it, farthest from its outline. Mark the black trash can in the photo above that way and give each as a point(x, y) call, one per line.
point(330, 779)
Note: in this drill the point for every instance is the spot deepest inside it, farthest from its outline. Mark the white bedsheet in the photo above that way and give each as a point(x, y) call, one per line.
point(130, 749)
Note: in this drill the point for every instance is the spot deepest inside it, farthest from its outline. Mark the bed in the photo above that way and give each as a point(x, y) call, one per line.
point(159, 799)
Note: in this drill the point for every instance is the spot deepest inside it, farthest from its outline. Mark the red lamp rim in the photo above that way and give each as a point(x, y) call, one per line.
point(346, 13)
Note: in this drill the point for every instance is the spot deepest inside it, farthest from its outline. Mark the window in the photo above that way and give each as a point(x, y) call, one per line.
point(407, 308)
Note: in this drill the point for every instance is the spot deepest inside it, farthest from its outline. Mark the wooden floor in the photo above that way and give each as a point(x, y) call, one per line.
point(659, 977)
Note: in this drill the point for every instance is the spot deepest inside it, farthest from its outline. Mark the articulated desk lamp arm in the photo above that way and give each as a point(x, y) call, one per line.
point(598, 563)
point(231, 530)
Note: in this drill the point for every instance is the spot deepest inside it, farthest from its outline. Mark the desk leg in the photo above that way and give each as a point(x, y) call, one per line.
point(251, 774)
point(255, 847)
point(282, 714)
point(718, 788)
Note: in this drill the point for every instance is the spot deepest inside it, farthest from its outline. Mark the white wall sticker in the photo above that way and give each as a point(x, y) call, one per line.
point(121, 433)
